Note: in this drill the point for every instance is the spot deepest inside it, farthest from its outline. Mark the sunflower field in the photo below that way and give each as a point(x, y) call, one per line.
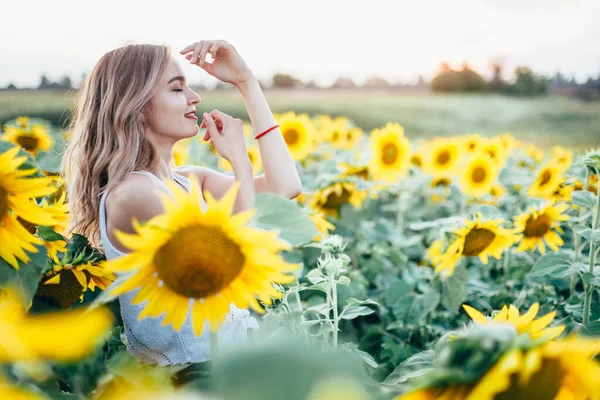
point(460, 267)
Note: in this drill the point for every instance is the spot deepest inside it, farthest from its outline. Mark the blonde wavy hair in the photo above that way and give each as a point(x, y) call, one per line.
point(107, 130)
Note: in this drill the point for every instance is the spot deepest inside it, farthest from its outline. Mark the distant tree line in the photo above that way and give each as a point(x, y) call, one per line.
point(525, 82)
point(447, 79)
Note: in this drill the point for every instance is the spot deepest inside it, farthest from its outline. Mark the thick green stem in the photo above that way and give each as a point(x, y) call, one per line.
point(589, 290)
point(336, 320)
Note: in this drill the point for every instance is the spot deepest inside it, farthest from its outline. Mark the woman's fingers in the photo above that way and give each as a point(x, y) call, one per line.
point(188, 48)
point(220, 117)
point(205, 48)
point(214, 49)
point(196, 52)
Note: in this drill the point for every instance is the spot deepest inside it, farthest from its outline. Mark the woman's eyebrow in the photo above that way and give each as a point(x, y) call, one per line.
point(177, 78)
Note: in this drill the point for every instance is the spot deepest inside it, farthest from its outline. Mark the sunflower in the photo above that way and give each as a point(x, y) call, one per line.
point(535, 153)
point(416, 159)
point(231, 262)
point(509, 142)
point(479, 177)
point(66, 283)
point(560, 369)
point(525, 323)
point(442, 157)
point(60, 336)
point(298, 132)
point(33, 138)
point(253, 155)
point(181, 153)
point(17, 201)
point(322, 225)
point(329, 199)
point(390, 153)
point(495, 151)
point(563, 157)
point(476, 239)
point(563, 192)
point(537, 224)
point(548, 179)
point(361, 171)
point(472, 142)
point(497, 190)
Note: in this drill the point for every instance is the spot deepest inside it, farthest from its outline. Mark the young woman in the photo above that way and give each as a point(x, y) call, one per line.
point(132, 109)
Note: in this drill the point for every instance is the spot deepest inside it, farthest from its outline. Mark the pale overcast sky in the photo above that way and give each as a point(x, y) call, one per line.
point(311, 39)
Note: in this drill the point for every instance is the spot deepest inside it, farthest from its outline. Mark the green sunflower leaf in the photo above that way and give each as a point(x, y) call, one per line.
point(277, 212)
point(25, 280)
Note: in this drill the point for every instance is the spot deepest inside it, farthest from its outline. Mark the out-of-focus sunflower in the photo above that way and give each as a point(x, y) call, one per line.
point(442, 157)
point(563, 192)
point(390, 153)
point(509, 142)
point(181, 153)
point(471, 143)
point(495, 151)
point(232, 262)
point(560, 369)
point(32, 138)
point(497, 190)
point(253, 155)
point(66, 283)
point(525, 323)
point(353, 138)
point(563, 157)
point(17, 200)
point(537, 226)
point(535, 153)
point(361, 171)
point(416, 159)
point(329, 199)
point(479, 176)
point(476, 239)
point(59, 336)
point(298, 132)
point(548, 179)
point(322, 225)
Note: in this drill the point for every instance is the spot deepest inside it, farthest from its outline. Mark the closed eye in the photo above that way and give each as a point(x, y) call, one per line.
point(178, 90)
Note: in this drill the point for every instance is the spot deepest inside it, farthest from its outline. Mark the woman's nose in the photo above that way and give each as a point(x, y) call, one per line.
point(196, 99)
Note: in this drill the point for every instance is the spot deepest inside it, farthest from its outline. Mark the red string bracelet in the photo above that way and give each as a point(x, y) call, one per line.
point(267, 131)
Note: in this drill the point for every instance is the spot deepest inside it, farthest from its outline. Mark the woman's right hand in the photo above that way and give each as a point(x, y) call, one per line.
point(227, 135)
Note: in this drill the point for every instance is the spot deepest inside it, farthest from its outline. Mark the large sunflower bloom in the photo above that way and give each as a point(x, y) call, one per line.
point(390, 153)
point(33, 139)
point(476, 239)
point(211, 256)
point(479, 177)
point(17, 200)
point(329, 199)
point(537, 224)
point(548, 179)
point(561, 369)
point(298, 132)
point(442, 157)
point(525, 323)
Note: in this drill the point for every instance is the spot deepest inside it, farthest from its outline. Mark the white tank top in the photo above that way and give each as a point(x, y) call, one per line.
point(152, 343)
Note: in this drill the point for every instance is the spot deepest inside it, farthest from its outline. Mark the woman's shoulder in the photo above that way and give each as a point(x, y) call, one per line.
point(136, 196)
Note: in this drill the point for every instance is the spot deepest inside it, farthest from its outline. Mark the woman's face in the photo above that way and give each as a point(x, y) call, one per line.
point(172, 100)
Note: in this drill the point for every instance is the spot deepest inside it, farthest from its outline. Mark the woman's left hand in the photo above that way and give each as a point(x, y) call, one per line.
point(227, 66)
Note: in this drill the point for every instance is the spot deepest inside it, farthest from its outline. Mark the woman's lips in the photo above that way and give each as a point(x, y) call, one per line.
point(192, 117)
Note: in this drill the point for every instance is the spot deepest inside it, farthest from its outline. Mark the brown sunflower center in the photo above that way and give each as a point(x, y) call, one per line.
point(537, 227)
point(545, 383)
point(3, 203)
point(349, 136)
point(335, 201)
point(27, 142)
point(335, 136)
point(471, 145)
point(389, 154)
point(31, 228)
point(291, 136)
point(441, 182)
point(443, 157)
point(545, 178)
point(478, 175)
point(416, 160)
point(199, 261)
point(477, 240)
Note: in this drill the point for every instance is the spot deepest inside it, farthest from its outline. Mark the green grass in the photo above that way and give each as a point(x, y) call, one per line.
point(543, 121)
